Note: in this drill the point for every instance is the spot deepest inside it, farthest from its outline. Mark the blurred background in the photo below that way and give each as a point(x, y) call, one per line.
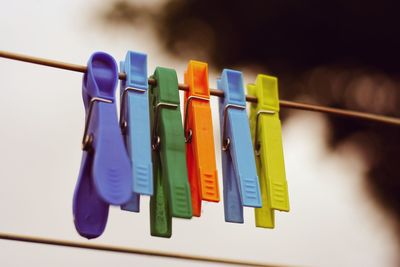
point(342, 173)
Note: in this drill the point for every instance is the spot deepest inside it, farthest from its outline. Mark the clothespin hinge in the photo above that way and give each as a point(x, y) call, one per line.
point(156, 138)
point(88, 138)
point(188, 132)
point(226, 140)
point(257, 145)
point(122, 121)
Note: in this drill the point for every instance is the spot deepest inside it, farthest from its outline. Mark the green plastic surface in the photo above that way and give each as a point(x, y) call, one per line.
point(171, 196)
point(160, 213)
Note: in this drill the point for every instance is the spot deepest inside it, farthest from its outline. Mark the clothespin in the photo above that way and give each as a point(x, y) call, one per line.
point(105, 174)
point(267, 135)
point(200, 156)
point(135, 125)
point(171, 196)
point(240, 181)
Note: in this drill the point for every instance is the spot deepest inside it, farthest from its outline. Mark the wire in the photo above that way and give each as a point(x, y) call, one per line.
point(128, 250)
point(214, 92)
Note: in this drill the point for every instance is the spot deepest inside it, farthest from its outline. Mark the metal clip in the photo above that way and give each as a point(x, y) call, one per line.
point(226, 140)
point(88, 138)
point(156, 138)
point(122, 121)
point(257, 145)
point(188, 132)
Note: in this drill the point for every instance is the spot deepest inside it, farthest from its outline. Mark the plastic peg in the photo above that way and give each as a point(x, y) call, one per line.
point(267, 136)
point(240, 181)
point(135, 125)
point(171, 196)
point(199, 137)
point(104, 177)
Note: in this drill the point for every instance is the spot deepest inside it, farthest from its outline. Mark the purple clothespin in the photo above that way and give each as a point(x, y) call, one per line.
point(105, 174)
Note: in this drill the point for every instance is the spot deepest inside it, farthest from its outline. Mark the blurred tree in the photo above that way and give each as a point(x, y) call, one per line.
point(342, 53)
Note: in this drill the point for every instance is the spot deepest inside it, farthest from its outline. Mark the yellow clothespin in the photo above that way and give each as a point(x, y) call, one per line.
point(267, 136)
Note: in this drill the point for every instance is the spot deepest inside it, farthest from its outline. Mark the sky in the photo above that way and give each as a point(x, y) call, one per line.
point(332, 221)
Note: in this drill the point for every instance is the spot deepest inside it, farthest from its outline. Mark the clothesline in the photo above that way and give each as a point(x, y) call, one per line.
point(214, 92)
point(127, 250)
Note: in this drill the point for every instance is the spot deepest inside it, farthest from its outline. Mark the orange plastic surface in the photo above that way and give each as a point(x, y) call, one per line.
point(200, 154)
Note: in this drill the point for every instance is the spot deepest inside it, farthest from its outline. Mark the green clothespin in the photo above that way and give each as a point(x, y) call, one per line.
point(267, 136)
point(171, 196)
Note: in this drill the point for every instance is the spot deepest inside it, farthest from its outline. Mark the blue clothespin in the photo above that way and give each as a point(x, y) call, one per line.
point(240, 181)
point(135, 125)
point(105, 174)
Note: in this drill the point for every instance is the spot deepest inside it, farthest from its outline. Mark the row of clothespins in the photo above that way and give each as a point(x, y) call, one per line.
point(149, 152)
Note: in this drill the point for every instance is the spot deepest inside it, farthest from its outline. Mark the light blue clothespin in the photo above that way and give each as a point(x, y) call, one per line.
point(135, 125)
point(240, 181)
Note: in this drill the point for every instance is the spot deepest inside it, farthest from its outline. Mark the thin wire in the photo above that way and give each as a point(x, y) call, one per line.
point(128, 250)
point(214, 92)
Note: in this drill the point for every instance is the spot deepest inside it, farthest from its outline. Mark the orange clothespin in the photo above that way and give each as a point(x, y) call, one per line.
point(200, 155)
